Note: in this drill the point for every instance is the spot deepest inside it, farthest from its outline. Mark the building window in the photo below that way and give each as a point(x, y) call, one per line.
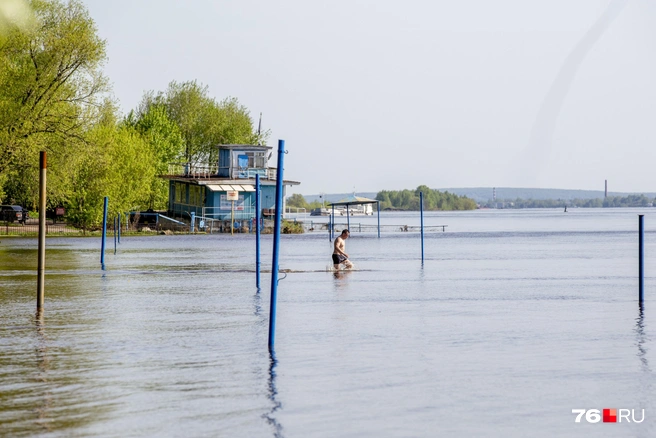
point(196, 196)
point(180, 193)
point(251, 160)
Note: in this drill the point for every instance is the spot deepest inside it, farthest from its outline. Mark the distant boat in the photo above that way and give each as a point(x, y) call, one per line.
point(320, 212)
point(354, 210)
point(358, 210)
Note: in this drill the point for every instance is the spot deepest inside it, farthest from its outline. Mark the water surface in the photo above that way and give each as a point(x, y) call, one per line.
point(514, 319)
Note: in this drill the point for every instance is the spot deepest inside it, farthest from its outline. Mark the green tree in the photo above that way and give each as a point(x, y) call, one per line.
point(165, 140)
point(51, 86)
point(53, 97)
point(119, 164)
point(384, 198)
point(297, 201)
point(203, 122)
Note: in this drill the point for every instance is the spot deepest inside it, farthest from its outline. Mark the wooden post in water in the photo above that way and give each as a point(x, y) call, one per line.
point(41, 269)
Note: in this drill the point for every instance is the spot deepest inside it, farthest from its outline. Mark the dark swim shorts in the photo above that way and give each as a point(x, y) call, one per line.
point(338, 258)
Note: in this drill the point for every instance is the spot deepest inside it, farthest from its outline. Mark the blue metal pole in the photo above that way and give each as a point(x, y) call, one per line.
point(193, 221)
point(421, 209)
point(332, 228)
point(276, 245)
point(104, 233)
point(257, 231)
point(348, 218)
point(641, 258)
point(115, 236)
point(119, 228)
point(378, 208)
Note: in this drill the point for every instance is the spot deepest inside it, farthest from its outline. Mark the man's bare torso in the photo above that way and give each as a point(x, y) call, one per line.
point(339, 245)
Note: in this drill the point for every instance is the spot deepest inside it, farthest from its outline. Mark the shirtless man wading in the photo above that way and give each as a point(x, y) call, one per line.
point(339, 256)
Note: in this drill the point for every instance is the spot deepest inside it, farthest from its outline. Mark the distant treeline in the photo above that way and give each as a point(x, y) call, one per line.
point(609, 202)
point(433, 200)
point(437, 200)
point(402, 200)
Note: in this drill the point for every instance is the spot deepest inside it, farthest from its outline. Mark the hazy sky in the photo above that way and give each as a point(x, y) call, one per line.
point(383, 94)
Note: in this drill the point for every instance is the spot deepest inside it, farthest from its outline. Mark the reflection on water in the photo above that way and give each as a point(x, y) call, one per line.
point(43, 366)
point(341, 279)
point(257, 299)
point(646, 399)
point(272, 394)
point(41, 388)
point(641, 339)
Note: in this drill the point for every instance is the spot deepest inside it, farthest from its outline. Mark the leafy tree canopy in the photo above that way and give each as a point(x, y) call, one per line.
point(203, 122)
point(50, 79)
point(54, 97)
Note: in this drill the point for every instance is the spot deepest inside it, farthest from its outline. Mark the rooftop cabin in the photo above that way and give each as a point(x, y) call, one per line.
point(244, 161)
point(202, 189)
point(236, 161)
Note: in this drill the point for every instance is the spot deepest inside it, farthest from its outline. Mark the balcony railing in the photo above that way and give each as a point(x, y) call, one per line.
point(250, 173)
point(212, 171)
point(193, 170)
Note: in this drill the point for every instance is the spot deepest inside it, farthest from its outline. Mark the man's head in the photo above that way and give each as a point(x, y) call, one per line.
point(345, 234)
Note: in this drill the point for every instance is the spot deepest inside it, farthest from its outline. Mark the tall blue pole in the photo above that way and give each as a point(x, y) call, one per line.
point(257, 231)
point(193, 221)
point(115, 220)
point(378, 208)
point(641, 258)
point(119, 228)
point(276, 245)
point(104, 233)
point(421, 209)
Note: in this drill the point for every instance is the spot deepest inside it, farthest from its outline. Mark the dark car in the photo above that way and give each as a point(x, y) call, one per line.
point(11, 213)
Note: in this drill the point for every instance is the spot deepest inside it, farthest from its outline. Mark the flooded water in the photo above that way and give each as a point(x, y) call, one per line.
point(514, 319)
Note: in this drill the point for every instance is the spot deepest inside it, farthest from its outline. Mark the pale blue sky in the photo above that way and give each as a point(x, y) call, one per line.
point(373, 95)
